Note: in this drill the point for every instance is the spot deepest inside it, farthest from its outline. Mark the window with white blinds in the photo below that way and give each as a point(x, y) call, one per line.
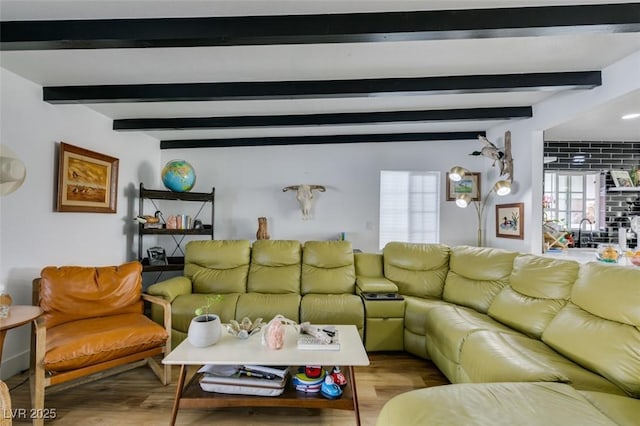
point(409, 207)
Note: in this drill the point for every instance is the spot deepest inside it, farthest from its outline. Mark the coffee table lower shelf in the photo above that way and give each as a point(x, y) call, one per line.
point(191, 395)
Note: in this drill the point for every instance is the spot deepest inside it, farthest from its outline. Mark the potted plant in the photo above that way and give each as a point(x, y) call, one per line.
point(205, 328)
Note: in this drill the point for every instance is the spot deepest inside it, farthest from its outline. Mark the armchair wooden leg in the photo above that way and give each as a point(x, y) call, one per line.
point(37, 377)
point(162, 371)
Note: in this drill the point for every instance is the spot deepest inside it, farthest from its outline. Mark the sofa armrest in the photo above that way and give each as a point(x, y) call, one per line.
point(375, 285)
point(166, 307)
point(171, 288)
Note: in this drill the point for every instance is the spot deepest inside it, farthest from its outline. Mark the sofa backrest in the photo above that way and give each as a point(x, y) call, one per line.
point(600, 327)
point(417, 269)
point(369, 264)
point(538, 288)
point(217, 266)
point(71, 293)
point(327, 268)
point(275, 267)
point(476, 275)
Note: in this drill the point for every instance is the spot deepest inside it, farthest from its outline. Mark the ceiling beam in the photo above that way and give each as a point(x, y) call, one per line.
point(266, 90)
point(318, 139)
point(499, 113)
point(325, 28)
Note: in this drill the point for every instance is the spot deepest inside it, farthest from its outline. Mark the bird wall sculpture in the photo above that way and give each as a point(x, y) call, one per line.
point(502, 157)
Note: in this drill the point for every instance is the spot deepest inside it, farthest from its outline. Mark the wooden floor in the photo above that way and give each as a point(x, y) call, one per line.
point(137, 398)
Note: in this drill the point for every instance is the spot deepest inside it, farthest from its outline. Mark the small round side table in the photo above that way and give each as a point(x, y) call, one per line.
point(18, 315)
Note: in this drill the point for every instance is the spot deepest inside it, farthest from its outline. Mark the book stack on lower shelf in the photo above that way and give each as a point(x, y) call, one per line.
point(244, 379)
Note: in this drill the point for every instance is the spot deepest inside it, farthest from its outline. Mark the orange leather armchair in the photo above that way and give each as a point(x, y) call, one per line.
point(93, 321)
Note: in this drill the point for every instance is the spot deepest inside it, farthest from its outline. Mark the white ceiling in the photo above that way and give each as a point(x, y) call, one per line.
point(576, 52)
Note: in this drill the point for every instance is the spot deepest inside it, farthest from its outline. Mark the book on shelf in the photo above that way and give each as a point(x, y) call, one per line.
point(275, 370)
point(312, 343)
point(238, 375)
point(235, 379)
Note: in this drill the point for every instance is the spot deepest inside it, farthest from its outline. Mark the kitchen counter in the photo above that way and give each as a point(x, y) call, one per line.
point(583, 255)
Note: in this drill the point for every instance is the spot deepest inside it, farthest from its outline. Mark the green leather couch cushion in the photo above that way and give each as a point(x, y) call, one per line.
point(417, 269)
point(218, 266)
point(489, 356)
point(482, 404)
point(623, 411)
point(495, 357)
point(415, 312)
point(183, 309)
point(476, 275)
point(448, 326)
point(538, 288)
point(267, 306)
point(369, 264)
point(375, 285)
point(333, 309)
point(275, 267)
point(328, 268)
point(600, 328)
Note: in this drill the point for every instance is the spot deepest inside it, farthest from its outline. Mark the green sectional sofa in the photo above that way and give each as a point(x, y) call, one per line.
point(484, 316)
point(263, 279)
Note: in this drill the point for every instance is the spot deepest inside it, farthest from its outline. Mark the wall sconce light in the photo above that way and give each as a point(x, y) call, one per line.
point(501, 188)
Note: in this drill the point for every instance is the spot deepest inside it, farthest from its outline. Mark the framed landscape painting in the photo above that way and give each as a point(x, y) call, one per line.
point(510, 220)
point(469, 184)
point(87, 181)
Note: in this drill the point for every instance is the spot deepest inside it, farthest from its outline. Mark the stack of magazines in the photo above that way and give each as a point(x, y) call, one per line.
point(244, 379)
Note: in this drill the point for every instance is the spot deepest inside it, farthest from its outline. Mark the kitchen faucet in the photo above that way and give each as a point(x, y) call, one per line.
point(579, 242)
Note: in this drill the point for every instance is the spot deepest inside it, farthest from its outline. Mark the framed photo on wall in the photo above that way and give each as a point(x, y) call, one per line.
point(469, 184)
point(621, 179)
point(510, 220)
point(87, 181)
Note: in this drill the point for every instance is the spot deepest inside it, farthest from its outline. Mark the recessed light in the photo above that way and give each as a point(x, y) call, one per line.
point(631, 116)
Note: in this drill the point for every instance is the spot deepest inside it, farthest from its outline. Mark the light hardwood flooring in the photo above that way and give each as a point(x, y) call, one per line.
point(136, 397)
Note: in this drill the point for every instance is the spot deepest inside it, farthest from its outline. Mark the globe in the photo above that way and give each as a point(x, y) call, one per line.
point(178, 176)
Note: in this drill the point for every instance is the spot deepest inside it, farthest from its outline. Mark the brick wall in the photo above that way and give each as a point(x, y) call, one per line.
point(602, 156)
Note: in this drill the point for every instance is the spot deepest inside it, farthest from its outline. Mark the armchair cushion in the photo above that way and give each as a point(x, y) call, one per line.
point(72, 293)
point(94, 340)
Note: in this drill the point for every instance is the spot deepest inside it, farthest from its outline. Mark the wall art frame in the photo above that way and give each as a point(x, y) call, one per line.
point(469, 184)
point(87, 181)
point(510, 220)
point(621, 179)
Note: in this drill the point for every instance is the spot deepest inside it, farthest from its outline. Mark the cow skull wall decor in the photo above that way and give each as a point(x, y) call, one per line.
point(304, 195)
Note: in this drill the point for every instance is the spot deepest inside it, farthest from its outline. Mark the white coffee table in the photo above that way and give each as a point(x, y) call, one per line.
point(232, 351)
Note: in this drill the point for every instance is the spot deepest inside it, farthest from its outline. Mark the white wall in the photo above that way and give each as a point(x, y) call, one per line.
point(249, 182)
point(618, 79)
point(32, 234)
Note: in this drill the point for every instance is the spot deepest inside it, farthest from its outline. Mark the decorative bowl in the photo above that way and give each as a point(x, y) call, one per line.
point(609, 253)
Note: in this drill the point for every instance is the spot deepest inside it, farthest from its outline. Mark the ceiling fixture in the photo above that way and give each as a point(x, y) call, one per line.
point(631, 116)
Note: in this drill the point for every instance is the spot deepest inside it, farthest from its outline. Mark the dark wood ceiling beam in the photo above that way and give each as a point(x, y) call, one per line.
point(266, 90)
point(326, 28)
point(318, 139)
point(499, 113)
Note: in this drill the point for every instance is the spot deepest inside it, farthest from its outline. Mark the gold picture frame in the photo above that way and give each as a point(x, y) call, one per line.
point(87, 181)
point(510, 221)
point(469, 184)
